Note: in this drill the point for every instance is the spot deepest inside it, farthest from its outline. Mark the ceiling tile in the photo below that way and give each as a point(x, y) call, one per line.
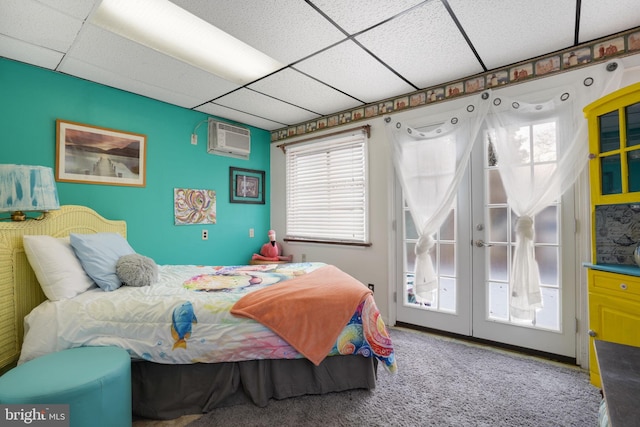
point(29, 53)
point(507, 32)
point(143, 66)
point(353, 17)
point(294, 87)
point(77, 8)
point(599, 18)
point(353, 71)
point(400, 46)
point(286, 30)
point(38, 24)
point(238, 116)
point(423, 45)
point(264, 106)
point(109, 78)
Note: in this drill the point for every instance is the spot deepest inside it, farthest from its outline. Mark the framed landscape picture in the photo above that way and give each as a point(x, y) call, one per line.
point(95, 155)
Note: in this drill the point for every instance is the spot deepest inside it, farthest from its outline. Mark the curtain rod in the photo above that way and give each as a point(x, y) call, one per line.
point(365, 128)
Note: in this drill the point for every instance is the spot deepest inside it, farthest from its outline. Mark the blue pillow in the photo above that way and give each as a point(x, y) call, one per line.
point(98, 253)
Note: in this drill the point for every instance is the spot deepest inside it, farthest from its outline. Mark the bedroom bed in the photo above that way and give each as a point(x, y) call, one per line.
point(189, 353)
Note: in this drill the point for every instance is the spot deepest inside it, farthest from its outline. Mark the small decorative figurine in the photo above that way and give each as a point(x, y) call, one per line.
point(271, 251)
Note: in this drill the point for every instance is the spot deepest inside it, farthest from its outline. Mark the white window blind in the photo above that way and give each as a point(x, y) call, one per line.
point(327, 192)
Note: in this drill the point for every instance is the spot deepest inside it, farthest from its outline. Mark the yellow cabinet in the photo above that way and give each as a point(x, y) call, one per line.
point(614, 146)
point(614, 170)
point(614, 312)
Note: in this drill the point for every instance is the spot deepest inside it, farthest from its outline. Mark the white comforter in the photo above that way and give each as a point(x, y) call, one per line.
point(185, 318)
point(141, 321)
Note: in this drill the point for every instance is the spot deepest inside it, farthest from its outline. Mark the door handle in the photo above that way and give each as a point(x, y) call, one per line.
point(481, 244)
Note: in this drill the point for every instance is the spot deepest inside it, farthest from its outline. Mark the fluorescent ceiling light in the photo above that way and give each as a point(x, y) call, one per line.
point(169, 29)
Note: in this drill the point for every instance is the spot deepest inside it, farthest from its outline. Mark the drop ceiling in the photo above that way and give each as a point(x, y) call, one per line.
point(337, 55)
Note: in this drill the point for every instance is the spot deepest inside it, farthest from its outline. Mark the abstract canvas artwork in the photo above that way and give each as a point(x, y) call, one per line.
point(192, 206)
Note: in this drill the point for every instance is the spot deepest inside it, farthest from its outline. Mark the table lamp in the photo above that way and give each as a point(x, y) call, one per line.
point(25, 188)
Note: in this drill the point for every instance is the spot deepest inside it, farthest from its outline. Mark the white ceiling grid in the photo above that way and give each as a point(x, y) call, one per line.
point(499, 39)
point(336, 55)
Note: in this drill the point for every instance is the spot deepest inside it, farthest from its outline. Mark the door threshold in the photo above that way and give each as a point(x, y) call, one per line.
point(527, 351)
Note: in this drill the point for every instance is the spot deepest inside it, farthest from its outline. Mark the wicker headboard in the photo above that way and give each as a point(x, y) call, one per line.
point(20, 292)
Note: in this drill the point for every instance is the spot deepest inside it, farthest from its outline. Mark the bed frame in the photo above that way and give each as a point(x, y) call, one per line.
point(20, 291)
point(164, 391)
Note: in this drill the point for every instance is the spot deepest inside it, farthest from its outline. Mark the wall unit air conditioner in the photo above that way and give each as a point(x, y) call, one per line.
point(228, 140)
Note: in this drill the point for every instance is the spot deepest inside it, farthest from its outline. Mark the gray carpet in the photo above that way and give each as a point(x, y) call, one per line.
point(440, 382)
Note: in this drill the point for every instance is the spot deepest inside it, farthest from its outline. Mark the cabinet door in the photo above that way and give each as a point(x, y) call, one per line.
point(612, 319)
point(614, 145)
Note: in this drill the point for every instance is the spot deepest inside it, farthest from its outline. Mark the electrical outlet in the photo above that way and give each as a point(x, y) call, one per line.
point(371, 286)
point(251, 233)
point(205, 235)
point(304, 257)
point(194, 139)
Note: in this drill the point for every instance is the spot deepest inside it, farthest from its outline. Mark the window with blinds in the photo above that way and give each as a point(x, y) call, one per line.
point(327, 192)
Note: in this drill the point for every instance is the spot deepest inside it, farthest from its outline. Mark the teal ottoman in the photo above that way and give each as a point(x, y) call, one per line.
point(94, 381)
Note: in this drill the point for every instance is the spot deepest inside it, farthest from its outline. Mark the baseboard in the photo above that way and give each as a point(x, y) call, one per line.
point(542, 354)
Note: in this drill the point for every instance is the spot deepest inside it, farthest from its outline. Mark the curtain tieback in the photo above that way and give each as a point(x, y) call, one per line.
point(524, 227)
point(424, 245)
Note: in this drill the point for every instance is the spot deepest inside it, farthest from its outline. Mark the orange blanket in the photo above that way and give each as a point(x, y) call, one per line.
point(308, 312)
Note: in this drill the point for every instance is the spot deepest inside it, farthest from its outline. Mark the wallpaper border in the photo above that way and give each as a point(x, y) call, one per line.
point(621, 44)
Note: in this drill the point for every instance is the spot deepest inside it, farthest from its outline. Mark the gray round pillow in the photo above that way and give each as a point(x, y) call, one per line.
point(136, 270)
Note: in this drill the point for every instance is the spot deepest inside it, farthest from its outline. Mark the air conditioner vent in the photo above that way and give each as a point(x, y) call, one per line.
point(228, 140)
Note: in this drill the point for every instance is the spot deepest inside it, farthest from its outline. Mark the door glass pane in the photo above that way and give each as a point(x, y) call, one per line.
point(633, 124)
point(409, 226)
point(547, 257)
point(544, 135)
point(447, 259)
point(611, 172)
point(521, 136)
point(492, 159)
point(546, 225)
point(633, 165)
point(447, 296)
point(609, 131)
point(498, 263)
point(410, 256)
point(498, 301)
point(447, 230)
point(497, 194)
point(497, 229)
point(549, 316)
point(408, 286)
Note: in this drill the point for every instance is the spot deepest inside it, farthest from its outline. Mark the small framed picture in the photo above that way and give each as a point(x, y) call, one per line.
point(246, 186)
point(95, 155)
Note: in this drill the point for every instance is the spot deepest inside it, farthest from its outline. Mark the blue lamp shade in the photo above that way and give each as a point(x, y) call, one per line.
point(27, 189)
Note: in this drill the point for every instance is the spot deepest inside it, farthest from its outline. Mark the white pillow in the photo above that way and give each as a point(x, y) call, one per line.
point(57, 268)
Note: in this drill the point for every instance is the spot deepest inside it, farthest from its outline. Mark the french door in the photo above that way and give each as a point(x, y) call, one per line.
point(472, 259)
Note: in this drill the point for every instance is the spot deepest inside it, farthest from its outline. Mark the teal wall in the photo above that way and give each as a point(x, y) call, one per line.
point(31, 99)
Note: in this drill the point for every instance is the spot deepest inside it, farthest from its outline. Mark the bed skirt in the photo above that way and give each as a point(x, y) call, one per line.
point(170, 391)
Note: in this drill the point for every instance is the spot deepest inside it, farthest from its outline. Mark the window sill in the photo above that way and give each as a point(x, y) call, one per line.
point(327, 242)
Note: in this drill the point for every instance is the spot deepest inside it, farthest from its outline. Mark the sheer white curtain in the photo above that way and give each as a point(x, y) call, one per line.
point(541, 143)
point(429, 166)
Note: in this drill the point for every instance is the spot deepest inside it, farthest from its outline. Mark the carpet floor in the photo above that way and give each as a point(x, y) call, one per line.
point(440, 382)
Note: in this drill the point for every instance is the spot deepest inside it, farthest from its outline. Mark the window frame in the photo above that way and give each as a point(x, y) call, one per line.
point(330, 148)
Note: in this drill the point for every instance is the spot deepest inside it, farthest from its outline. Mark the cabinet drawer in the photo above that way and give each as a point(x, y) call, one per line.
point(619, 283)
